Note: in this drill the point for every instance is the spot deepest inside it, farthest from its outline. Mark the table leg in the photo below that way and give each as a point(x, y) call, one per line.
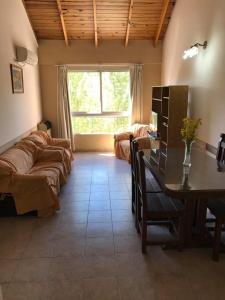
point(190, 206)
point(200, 222)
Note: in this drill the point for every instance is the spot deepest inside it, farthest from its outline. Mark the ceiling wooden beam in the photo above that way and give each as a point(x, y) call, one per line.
point(162, 18)
point(129, 22)
point(62, 21)
point(24, 5)
point(95, 23)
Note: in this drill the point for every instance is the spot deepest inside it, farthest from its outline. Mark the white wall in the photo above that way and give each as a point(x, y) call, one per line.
point(195, 21)
point(18, 112)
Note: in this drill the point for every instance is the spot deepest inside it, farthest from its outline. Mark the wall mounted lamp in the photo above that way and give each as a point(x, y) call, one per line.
point(194, 50)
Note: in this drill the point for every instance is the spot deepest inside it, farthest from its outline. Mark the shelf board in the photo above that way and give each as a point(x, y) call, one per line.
point(164, 154)
point(164, 143)
point(156, 99)
point(165, 97)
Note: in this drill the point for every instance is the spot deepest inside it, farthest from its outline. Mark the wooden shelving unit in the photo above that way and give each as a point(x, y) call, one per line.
point(170, 103)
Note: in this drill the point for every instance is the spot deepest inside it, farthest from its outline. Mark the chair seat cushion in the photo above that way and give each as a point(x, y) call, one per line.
point(217, 207)
point(161, 206)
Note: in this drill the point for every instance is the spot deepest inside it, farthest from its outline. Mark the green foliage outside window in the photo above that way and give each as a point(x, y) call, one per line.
point(85, 95)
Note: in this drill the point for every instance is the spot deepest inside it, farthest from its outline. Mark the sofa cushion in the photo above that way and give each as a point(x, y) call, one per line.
point(18, 159)
point(52, 170)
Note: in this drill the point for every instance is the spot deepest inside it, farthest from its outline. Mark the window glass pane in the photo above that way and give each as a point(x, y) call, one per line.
point(84, 91)
point(115, 91)
point(99, 124)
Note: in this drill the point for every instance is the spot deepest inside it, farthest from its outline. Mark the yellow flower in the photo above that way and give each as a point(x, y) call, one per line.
point(188, 132)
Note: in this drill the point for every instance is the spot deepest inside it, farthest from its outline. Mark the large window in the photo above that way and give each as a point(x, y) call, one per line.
point(99, 100)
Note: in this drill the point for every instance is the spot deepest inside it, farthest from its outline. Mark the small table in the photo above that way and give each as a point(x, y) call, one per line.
point(194, 185)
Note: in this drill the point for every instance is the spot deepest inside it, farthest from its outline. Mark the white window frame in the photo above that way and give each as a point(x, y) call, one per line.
point(102, 113)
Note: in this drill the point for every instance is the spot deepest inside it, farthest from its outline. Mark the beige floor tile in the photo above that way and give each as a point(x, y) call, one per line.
point(39, 249)
point(73, 196)
point(68, 229)
point(99, 205)
point(7, 269)
point(124, 229)
point(120, 204)
point(120, 195)
point(75, 206)
point(22, 291)
point(13, 248)
point(137, 288)
point(99, 229)
point(127, 244)
point(122, 215)
point(101, 289)
point(174, 288)
point(68, 268)
point(99, 246)
point(99, 216)
point(101, 266)
point(74, 216)
point(96, 188)
point(63, 290)
point(133, 265)
point(68, 247)
point(99, 196)
point(31, 270)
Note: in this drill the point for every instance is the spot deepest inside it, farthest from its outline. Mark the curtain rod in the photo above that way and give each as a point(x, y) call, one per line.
point(100, 64)
point(105, 64)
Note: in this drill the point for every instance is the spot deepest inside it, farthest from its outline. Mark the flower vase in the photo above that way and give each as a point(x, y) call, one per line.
point(187, 155)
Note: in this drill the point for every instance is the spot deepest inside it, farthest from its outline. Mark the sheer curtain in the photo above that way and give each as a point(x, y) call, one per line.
point(63, 107)
point(136, 90)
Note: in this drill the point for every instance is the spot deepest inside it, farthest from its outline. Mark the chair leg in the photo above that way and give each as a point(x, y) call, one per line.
point(143, 234)
point(181, 233)
point(133, 196)
point(217, 237)
point(138, 212)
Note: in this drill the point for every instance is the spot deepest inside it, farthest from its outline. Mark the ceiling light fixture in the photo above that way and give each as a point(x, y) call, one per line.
point(194, 50)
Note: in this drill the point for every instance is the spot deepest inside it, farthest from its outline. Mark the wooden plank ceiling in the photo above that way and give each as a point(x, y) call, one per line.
point(100, 19)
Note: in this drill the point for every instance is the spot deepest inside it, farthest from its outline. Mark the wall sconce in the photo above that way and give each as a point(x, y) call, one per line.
point(194, 50)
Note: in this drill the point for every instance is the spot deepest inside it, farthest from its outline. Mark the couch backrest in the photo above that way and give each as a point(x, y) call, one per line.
point(39, 137)
point(141, 130)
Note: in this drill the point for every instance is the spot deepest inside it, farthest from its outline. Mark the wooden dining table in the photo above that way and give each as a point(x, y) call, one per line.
point(194, 185)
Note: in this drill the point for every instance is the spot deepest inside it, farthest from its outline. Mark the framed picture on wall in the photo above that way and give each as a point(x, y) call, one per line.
point(17, 79)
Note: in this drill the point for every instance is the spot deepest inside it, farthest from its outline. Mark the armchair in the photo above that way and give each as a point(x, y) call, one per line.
point(122, 140)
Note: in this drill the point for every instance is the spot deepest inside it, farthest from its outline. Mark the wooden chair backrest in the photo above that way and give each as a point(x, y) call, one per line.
point(221, 150)
point(141, 176)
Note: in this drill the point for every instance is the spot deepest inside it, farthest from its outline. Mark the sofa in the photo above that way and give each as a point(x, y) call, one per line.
point(122, 140)
point(34, 170)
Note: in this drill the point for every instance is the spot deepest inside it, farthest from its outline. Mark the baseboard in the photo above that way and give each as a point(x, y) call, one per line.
point(211, 150)
point(8, 145)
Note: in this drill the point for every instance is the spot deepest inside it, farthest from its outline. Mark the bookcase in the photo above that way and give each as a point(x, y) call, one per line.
point(169, 105)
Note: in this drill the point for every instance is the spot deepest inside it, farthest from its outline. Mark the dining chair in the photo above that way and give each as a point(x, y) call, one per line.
point(151, 183)
point(217, 206)
point(157, 209)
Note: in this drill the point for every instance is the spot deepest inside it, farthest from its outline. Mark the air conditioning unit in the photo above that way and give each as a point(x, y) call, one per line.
point(24, 55)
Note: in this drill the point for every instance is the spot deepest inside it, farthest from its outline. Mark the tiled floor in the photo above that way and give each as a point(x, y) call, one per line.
point(91, 251)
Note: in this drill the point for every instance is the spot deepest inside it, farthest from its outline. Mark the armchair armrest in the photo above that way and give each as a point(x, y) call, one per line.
point(122, 136)
point(60, 142)
point(34, 192)
point(143, 143)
